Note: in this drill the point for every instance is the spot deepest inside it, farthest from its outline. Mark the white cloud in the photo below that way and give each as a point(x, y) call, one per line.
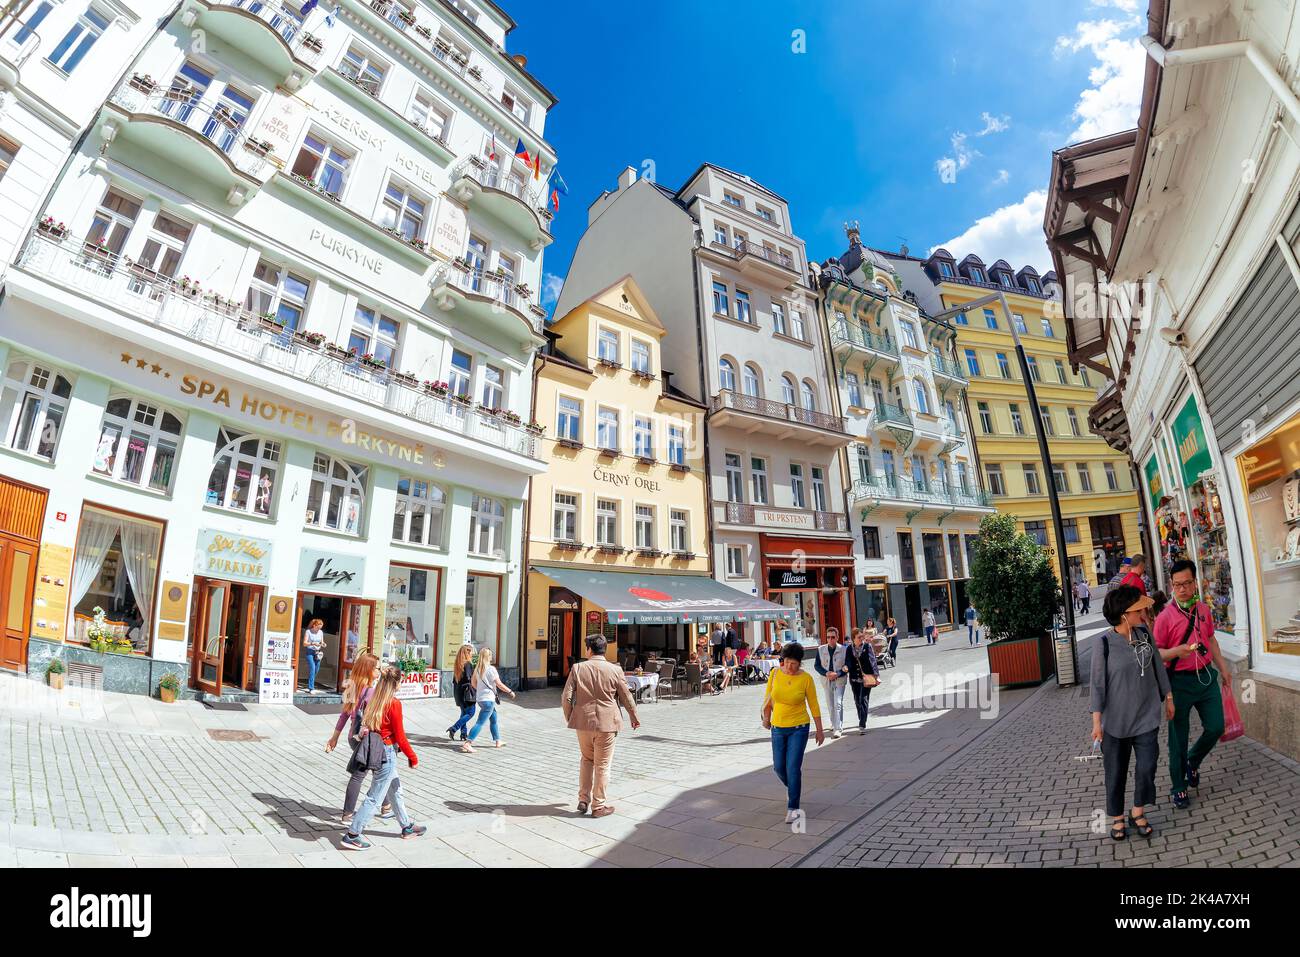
point(1112, 101)
point(948, 166)
point(994, 124)
point(1013, 233)
point(1002, 177)
point(551, 285)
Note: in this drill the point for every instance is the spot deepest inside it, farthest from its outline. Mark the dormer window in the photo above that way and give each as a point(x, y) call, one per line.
point(1005, 279)
point(977, 274)
point(1032, 283)
point(945, 269)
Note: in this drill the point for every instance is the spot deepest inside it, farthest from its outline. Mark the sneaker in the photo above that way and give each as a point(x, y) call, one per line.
point(862, 729)
point(1194, 777)
point(413, 830)
point(1181, 800)
point(354, 842)
point(837, 733)
point(791, 816)
point(386, 811)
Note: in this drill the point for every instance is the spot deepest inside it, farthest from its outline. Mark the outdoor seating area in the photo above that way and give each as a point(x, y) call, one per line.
point(655, 677)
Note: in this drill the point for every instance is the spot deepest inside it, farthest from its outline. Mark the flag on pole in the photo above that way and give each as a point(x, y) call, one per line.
point(537, 165)
point(308, 7)
point(558, 186)
point(492, 155)
point(331, 17)
point(521, 152)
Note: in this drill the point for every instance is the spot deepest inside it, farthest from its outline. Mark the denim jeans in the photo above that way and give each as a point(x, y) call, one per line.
point(788, 745)
point(462, 722)
point(861, 701)
point(970, 634)
point(835, 701)
point(384, 783)
point(313, 666)
point(487, 714)
point(354, 791)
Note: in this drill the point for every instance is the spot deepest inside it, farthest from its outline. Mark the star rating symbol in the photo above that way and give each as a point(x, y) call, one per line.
point(140, 363)
point(126, 357)
point(155, 368)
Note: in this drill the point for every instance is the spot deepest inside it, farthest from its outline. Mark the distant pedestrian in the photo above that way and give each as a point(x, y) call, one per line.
point(863, 674)
point(591, 699)
point(891, 635)
point(462, 690)
point(790, 702)
point(972, 632)
point(829, 663)
point(1085, 596)
point(1137, 565)
point(314, 646)
point(716, 641)
point(356, 694)
point(931, 629)
point(486, 685)
point(733, 638)
point(383, 717)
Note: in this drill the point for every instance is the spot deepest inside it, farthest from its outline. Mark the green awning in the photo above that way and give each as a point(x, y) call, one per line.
point(630, 598)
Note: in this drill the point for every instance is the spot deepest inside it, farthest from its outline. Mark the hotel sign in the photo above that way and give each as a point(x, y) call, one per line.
point(775, 518)
point(221, 554)
point(622, 478)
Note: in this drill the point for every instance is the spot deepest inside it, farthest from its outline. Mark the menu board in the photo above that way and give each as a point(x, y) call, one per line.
point(276, 686)
point(453, 635)
point(50, 596)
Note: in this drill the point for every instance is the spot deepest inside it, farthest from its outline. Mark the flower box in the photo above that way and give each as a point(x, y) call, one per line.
point(1021, 662)
point(683, 556)
point(644, 375)
point(269, 321)
point(611, 453)
point(609, 364)
point(439, 389)
point(143, 82)
point(646, 460)
point(610, 550)
point(311, 340)
point(460, 399)
point(336, 351)
point(407, 17)
point(680, 467)
point(460, 264)
point(424, 32)
point(51, 228)
point(569, 444)
point(475, 72)
point(260, 148)
point(535, 428)
point(405, 378)
point(370, 362)
point(648, 553)
point(570, 546)
point(312, 42)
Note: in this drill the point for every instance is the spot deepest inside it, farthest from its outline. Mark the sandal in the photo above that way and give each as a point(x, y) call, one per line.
point(466, 749)
point(1118, 830)
point(1141, 825)
point(1181, 800)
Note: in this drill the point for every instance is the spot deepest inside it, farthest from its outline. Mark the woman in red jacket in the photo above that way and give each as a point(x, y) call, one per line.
point(383, 716)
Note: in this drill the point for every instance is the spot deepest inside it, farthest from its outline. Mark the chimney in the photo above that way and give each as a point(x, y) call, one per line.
point(521, 61)
point(627, 178)
point(851, 230)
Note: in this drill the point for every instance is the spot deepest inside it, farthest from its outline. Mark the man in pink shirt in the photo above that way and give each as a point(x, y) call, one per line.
point(1134, 576)
point(1184, 634)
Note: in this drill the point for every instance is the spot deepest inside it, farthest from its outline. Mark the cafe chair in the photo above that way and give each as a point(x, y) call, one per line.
point(694, 679)
point(668, 676)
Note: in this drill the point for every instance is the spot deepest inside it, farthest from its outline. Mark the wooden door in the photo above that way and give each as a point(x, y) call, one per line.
point(252, 635)
point(210, 634)
point(570, 642)
point(358, 627)
point(17, 581)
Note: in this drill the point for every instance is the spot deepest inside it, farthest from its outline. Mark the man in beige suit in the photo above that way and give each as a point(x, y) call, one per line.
point(592, 695)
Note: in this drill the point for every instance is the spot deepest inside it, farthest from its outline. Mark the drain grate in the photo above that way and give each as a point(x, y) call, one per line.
point(225, 734)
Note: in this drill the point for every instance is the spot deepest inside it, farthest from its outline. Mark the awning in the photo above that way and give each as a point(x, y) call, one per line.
point(629, 598)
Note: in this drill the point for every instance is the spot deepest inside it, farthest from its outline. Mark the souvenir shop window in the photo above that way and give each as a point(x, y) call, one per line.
point(1173, 528)
point(1271, 470)
point(1210, 538)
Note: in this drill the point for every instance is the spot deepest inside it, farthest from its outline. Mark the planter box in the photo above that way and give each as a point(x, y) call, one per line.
point(56, 680)
point(166, 695)
point(1022, 662)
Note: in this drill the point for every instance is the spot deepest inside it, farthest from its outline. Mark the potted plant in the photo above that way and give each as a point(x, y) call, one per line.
point(535, 428)
point(98, 633)
point(56, 229)
point(54, 673)
point(168, 685)
point(121, 645)
point(438, 389)
point(190, 287)
point(1016, 595)
point(312, 340)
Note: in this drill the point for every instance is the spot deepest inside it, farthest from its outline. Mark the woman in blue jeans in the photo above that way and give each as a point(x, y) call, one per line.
point(486, 685)
point(790, 702)
point(463, 691)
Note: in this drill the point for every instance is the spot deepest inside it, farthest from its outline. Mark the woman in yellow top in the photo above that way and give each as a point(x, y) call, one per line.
point(791, 700)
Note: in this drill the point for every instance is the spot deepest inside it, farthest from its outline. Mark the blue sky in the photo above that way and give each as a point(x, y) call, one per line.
point(887, 95)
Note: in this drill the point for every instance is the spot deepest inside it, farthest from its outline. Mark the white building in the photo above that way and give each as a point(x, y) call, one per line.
point(721, 264)
point(249, 383)
point(915, 501)
point(1178, 247)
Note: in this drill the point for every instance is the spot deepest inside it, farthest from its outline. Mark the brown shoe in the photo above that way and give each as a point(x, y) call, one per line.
point(582, 807)
point(605, 811)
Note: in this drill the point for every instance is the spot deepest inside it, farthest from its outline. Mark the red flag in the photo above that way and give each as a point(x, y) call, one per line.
point(555, 199)
point(493, 154)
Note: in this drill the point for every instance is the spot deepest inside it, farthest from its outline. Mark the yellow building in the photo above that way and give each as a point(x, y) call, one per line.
point(617, 530)
point(1099, 504)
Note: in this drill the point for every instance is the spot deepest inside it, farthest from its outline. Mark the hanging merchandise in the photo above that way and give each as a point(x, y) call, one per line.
point(1211, 538)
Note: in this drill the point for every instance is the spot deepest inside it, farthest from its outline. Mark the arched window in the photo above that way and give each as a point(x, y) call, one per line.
point(137, 443)
point(418, 516)
point(726, 375)
point(922, 396)
point(809, 396)
point(486, 526)
point(752, 381)
point(787, 390)
point(32, 407)
point(244, 471)
point(337, 496)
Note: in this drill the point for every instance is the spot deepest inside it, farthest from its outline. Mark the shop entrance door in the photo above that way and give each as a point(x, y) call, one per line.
point(243, 636)
point(359, 623)
point(329, 609)
point(211, 611)
point(560, 628)
point(22, 514)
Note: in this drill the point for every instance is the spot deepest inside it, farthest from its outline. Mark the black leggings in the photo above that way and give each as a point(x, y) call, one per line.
point(861, 698)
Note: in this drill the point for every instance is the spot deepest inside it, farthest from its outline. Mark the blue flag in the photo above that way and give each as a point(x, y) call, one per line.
point(308, 7)
point(558, 184)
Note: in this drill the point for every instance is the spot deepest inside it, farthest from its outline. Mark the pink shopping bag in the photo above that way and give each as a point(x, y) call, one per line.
point(1232, 726)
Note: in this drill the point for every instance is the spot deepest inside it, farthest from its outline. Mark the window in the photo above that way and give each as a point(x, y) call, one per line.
point(1112, 481)
point(735, 478)
point(81, 36)
point(640, 356)
point(1033, 368)
point(1085, 476)
point(763, 212)
point(887, 460)
point(116, 568)
point(721, 306)
point(972, 362)
point(607, 346)
point(871, 542)
point(402, 212)
point(877, 393)
point(244, 472)
point(778, 318)
point(276, 292)
point(8, 151)
point(164, 248)
point(568, 419)
point(758, 479)
point(678, 531)
point(1060, 480)
point(643, 437)
point(731, 199)
point(676, 445)
point(1020, 322)
point(493, 395)
point(606, 522)
point(922, 398)
point(963, 478)
point(32, 407)
point(796, 326)
point(787, 390)
point(418, 515)
point(486, 526)
point(909, 333)
point(322, 164)
point(735, 561)
point(363, 69)
point(28, 29)
point(809, 396)
point(819, 489)
point(1032, 283)
point(990, 318)
point(427, 114)
point(977, 274)
point(1004, 367)
point(137, 443)
point(1047, 326)
point(337, 495)
point(515, 103)
point(726, 375)
point(1070, 526)
point(1060, 373)
point(864, 463)
point(374, 335)
point(993, 473)
point(607, 429)
point(720, 235)
point(920, 475)
point(935, 565)
point(233, 110)
point(564, 525)
point(954, 555)
point(742, 307)
point(961, 316)
point(113, 221)
point(751, 381)
point(1004, 278)
point(1045, 415)
point(645, 526)
point(1030, 473)
point(854, 388)
point(796, 486)
point(1083, 376)
point(460, 376)
point(906, 556)
point(986, 418)
point(945, 269)
point(1017, 423)
point(1037, 531)
point(1074, 420)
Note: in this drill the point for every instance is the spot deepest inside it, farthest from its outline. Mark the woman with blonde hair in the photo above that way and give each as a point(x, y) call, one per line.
point(463, 690)
point(356, 694)
point(383, 716)
point(486, 685)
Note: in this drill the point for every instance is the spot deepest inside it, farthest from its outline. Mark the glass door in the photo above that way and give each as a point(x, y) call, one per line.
point(252, 635)
point(476, 256)
point(358, 630)
point(210, 634)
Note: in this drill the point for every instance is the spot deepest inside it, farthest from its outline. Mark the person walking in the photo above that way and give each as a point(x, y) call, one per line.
point(356, 694)
point(1184, 633)
point(383, 717)
point(1085, 596)
point(829, 663)
point(592, 696)
point(863, 674)
point(1128, 687)
point(486, 685)
point(931, 630)
point(314, 647)
point(1137, 566)
point(716, 640)
point(972, 632)
point(462, 691)
point(891, 635)
point(789, 703)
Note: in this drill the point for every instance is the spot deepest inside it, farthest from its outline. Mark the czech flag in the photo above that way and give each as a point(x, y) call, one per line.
point(522, 153)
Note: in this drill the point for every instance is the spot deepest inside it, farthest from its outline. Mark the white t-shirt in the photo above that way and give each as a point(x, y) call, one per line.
point(315, 640)
point(486, 679)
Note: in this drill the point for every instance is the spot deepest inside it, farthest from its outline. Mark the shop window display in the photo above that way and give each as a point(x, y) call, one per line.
point(411, 613)
point(1271, 472)
point(1210, 537)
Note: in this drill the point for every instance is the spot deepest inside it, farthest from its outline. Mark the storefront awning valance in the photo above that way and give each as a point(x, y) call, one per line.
point(629, 598)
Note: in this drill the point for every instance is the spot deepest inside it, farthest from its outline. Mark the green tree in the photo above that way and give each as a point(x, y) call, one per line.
point(1012, 586)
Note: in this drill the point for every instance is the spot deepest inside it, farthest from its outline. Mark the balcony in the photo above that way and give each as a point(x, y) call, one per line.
point(849, 336)
point(902, 489)
point(761, 263)
point(269, 32)
point(948, 368)
point(205, 139)
point(483, 300)
point(781, 420)
point(503, 196)
point(86, 270)
point(787, 519)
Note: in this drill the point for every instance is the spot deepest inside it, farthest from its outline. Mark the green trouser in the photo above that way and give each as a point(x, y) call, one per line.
point(1191, 691)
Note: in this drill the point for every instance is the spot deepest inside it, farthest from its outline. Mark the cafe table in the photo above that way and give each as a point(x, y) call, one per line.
point(639, 684)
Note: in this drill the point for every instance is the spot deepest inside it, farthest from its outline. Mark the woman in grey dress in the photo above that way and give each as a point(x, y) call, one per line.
point(1129, 684)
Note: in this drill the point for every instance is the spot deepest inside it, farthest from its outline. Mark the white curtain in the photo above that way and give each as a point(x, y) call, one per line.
point(93, 540)
point(140, 556)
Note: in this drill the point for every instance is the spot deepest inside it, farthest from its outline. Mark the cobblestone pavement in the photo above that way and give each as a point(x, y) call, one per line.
point(118, 780)
point(1018, 798)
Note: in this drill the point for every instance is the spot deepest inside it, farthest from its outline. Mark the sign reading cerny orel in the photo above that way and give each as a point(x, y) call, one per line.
point(221, 554)
point(330, 572)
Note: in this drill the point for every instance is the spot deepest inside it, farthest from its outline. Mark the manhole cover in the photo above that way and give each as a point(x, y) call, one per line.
point(222, 734)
